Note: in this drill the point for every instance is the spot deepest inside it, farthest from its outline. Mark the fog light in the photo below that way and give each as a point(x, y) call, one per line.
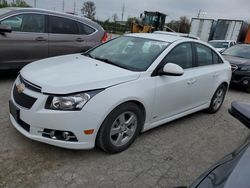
point(245, 82)
point(59, 135)
point(52, 135)
point(66, 136)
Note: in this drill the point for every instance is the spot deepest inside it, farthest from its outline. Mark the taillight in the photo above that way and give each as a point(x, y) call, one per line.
point(105, 37)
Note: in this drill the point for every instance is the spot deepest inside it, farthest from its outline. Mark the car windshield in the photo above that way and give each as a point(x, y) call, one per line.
point(132, 53)
point(4, 11)
point(242, 51)
point(218, 44)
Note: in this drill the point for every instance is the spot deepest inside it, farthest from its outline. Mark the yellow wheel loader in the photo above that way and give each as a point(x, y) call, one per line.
point(149, 22)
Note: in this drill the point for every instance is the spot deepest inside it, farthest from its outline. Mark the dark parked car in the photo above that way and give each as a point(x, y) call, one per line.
point(233, 170)
point(239, 57)
point(28, 34)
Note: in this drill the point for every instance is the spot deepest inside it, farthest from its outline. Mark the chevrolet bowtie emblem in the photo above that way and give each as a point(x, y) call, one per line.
point(20, 88)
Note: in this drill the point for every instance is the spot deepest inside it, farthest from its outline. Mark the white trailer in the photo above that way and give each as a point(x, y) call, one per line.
point(230, 30)
point(202, 28)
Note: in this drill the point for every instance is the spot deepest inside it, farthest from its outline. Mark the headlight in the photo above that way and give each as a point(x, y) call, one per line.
point(245, 68)
point(74, 102)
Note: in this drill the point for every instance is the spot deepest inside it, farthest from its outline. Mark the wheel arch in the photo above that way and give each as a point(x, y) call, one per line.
point(226, 84)
point(140, 105)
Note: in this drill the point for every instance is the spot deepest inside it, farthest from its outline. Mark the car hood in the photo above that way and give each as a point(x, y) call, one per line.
point(220, 49)
point(230, 172)
point(240, 175)
point(74, 73)
point(237, 60)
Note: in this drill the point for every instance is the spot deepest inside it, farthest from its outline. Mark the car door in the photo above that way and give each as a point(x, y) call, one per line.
point(27, 42)
point(64, 37)
point(209, 68)
point(176, 94)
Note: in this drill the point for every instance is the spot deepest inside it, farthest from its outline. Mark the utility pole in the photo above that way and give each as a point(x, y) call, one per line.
point(63, 6)
point(35, 3)
point(123, 9)
point(199, 13)
point(74, 6)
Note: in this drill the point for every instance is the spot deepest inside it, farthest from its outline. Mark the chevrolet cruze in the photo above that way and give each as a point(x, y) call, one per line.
point(108, 95)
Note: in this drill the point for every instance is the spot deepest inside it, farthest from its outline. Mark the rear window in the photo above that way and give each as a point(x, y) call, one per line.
point(85, 30)
point(204, 55)
point(60, 25)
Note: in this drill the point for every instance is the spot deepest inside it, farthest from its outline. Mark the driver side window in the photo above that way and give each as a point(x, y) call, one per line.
point(181, 55)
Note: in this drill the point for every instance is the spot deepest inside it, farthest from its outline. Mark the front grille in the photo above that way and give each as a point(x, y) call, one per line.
point(23, 99)
point(234, 67)
point(30, 85)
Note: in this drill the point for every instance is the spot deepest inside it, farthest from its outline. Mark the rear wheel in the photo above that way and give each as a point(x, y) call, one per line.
point(217, 99)
point(120, 128)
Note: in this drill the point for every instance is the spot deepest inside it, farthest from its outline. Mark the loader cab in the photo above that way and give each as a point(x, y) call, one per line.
point(155, 19)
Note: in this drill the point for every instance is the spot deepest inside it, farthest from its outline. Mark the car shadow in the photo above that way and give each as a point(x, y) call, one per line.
point(8, 74)
point(237, 88)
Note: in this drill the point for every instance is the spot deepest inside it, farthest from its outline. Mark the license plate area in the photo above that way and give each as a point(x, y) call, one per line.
point(15, 112)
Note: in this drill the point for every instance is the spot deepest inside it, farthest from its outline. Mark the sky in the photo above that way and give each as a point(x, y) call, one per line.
point(215, 9)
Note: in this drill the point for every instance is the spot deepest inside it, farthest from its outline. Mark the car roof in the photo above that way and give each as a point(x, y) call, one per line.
point(222, 41)
point(186, 35)
point(16, 10)
point(157, 36)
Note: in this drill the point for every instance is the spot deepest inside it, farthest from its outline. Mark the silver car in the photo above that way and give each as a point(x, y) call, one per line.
point(28, 34)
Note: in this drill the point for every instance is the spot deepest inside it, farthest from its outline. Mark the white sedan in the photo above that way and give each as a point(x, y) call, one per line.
point(110, 94)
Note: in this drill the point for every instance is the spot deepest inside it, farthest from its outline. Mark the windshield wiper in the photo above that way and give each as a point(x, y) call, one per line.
point(109, 62)
point(88, 55)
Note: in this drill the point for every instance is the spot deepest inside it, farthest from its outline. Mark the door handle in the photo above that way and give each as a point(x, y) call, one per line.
point(40, 39)
point(191, 81)
point(79, 40)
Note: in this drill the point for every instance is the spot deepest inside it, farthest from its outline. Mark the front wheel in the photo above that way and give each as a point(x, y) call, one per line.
point(217, 99)
point(120, 128)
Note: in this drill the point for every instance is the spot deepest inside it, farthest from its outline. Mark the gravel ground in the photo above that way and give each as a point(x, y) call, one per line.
point(170, 155)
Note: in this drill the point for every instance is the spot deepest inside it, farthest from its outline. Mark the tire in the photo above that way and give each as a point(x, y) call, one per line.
point(248, 90)
point(217, 99)
point(120, 128)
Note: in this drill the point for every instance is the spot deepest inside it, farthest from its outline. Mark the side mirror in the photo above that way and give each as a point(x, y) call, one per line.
point(5, 28)
point(171, 69)
point(241, 111)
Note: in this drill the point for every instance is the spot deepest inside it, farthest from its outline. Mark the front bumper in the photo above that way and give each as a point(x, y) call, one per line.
point(37, 118)
point(241, 78)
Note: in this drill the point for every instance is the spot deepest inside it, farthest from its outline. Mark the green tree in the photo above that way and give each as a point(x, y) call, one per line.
point(89, 9)
point(17, 3)
point(130, 20)
point(3, 3)
point(182, 25)
point(115, 17)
